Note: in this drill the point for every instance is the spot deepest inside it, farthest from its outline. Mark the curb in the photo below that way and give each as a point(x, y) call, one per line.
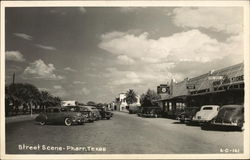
point(20, 118)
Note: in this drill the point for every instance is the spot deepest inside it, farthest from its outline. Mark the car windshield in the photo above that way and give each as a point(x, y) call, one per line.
point(207, 108)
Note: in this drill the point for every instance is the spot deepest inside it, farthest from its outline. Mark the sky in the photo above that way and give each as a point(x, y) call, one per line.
point(95, 53)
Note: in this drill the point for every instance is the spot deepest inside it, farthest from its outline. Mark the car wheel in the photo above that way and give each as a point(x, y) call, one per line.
point(108, 118)
point(242, 128)
point(68, 121)
point(42, 123)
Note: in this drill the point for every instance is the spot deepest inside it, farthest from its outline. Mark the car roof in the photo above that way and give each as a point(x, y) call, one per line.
point(210, 106)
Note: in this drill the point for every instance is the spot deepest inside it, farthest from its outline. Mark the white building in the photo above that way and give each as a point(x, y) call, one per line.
point(69, 103)
point(122, 105)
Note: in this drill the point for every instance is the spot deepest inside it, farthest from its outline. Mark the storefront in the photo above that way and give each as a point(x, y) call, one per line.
point(223, 86)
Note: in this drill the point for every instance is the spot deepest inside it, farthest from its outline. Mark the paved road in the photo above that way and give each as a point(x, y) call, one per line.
point(123, 134)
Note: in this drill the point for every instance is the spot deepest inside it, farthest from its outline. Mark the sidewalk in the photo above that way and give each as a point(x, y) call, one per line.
point(20, 118)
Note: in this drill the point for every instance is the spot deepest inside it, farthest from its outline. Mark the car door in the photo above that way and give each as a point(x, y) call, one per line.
point(53, 114)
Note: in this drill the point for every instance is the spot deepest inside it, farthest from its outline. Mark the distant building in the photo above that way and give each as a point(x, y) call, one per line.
point(122, 105)
point(69, 103)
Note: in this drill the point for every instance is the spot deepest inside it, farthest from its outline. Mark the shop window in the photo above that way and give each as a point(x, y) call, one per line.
point(236, 86)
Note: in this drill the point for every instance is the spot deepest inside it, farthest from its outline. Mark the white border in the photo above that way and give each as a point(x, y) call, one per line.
point(244, 4)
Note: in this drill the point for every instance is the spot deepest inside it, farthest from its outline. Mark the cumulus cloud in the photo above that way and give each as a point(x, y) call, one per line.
point(158, 57)
point(225, 19)
point(46, 47)
point(14, 56)
point(38, 69)
point(191, 45)
point(79, 82)
point(85, 91)
point(23, 36)
point(69, 69)
point(57, 87)
point(123, 59)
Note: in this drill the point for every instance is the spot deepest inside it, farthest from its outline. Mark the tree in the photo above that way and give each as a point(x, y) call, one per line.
point(148, 99)
point(131, 96)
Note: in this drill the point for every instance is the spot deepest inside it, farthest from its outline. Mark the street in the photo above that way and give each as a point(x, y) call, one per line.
point(123, 134)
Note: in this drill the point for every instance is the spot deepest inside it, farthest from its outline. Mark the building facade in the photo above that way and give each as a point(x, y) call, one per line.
point(220, 87)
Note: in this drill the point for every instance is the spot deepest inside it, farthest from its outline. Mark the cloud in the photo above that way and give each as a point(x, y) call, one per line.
point(82, 10)
point(85, 91)
point(38, 69)
point(157, 59)
point(121, 77)
point(123, 59)
point(57, 87)
point(14, 56)
point(23, 36)
point(46, 47)
point(225, 19)
point(79, 82)
point(185, 46)
point(70, 69)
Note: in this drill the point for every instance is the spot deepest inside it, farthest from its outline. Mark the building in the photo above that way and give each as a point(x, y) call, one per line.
point(69, 103)
point(223, 86)
point(122, 105)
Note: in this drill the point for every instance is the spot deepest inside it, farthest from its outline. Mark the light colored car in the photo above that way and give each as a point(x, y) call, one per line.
point(206, 113)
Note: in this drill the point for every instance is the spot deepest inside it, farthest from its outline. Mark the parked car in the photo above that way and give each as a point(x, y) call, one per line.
point(151, 112)
point(188, 114)
point(88, 112)
point(60, 115)
point(104, 113)
point(206, 113)
point(96, 112)
point(230, 115)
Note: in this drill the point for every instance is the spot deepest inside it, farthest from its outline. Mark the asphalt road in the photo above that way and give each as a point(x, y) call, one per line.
point(123, 134)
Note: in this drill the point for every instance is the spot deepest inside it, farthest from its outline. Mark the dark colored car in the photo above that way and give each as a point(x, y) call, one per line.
point(104, 113)
point(151, 112)
point(95, 111)
point(188, 114)
point(60, 115)
point(230, 115)
point(88, 113)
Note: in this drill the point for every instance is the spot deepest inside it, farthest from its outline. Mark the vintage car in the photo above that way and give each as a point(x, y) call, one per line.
point(88, 112)
point(151, 112)
point(60, 115)
point(188, 114)
point(104, 113)
point(230, 115)
point(206, 113)
point(95, 111)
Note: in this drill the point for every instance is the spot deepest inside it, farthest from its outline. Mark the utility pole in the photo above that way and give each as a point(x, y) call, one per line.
point(13, 80)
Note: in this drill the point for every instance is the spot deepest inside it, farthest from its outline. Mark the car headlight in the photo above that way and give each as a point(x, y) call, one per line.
point(79, 114)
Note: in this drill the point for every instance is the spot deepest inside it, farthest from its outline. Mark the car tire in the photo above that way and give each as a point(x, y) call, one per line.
point(108, 118)
point(42, 123)
point(242, 128)
point(67, 121)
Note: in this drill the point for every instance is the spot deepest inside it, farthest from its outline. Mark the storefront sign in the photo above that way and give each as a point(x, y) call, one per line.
point(227, 80)
point(163, 89)
point(190, 86)
point(215, 77)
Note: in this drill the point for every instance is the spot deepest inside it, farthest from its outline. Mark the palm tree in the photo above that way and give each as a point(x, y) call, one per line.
point(131, 98)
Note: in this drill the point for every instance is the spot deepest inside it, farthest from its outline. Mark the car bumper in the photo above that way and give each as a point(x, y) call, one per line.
point(225, 124)
point(200, 120)
point(79, 120)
